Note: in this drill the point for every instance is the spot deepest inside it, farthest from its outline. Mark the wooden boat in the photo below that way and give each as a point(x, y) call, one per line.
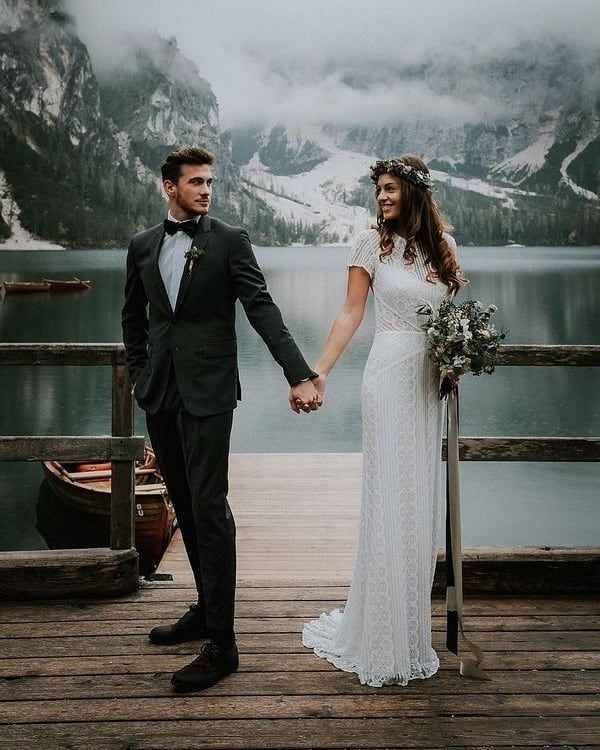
point(47, 285)
point(67, 285)
point(86, 486)
point(25, 287)
point(64, 527)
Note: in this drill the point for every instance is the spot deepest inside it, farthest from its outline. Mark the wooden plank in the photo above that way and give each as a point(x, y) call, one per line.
point(531, 624)
point(211, 707)
point(301, 662)
point(334, 682)
point(71, 448)
point(177, 592)
point(234, 734)
point(526, 448)
point(67, 573)
point(82, 476)
point(526, 570)
point(542, 704)
point(82, 609)
point(114, 353)
point(122, 497)
point(165, 591)
point(537, 747)
point(61, 354)
point(509, 731)
point(279, 643)
point(549, 354)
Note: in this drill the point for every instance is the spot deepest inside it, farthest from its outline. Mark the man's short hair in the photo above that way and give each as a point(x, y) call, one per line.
point(171, 169)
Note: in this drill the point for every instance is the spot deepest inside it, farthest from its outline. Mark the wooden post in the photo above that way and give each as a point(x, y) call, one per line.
point(122, 518)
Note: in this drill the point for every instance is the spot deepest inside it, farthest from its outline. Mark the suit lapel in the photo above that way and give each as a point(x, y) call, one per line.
point(199, 242)
point(154, 255)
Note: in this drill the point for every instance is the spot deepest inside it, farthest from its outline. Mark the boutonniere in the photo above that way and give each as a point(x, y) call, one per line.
point(191, 255)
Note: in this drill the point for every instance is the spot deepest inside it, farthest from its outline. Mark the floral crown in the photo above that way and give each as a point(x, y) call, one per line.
point(403, 171)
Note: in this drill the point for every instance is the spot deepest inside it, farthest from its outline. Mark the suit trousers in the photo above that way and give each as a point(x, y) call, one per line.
point(193, 456)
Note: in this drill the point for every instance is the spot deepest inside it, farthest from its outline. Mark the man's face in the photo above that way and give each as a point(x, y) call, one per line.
point(192, 192)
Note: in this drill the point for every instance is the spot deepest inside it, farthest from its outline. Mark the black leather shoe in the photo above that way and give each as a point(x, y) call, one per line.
point(209, 667)
point(190, 627)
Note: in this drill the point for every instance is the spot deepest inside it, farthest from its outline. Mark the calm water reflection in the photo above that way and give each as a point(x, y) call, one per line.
point(544, 295)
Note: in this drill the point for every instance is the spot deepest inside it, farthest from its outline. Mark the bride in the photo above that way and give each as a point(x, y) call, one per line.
point(384, 632)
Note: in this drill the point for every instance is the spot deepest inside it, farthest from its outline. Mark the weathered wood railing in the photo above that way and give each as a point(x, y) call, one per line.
point(536, 448)
point(105, 572)
point(97, 571)
point(540, 570)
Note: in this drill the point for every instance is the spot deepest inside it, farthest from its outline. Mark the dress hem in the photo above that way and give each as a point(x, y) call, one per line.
point(320, 642)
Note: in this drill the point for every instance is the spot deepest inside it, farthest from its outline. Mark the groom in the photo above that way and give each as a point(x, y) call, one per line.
point(183, 279)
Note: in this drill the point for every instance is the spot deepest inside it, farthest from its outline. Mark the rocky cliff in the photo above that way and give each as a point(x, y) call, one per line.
point(80, 156)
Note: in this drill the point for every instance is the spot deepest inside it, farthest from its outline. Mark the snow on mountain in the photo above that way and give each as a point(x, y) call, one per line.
point(317, 196)
point(483, 187)
point(523, 164)
point(20, 238)
point(568, 181)
point(322, 195)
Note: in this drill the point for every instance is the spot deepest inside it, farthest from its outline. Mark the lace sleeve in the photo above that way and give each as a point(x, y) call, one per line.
point(364, 252)
point(451, 242)
point(457, 254)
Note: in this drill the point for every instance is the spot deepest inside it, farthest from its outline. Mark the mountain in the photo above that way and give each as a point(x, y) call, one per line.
point(526, 170)
point(60, 159)
point(80, 154)
point(158, 101)
point(80, 149)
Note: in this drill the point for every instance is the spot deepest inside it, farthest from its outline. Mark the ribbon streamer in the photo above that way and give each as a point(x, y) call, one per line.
point(469, 666)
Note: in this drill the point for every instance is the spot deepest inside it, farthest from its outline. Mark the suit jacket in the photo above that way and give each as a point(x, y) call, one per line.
point(198, 337)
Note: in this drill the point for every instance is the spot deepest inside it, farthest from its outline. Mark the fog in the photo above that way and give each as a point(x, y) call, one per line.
point(339, 60)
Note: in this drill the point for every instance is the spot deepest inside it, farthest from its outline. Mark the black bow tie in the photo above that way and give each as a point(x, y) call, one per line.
point(189, 227)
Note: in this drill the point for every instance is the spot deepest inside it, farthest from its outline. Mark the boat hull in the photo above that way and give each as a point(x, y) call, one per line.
point(61, 285)
point(25, 287)
point(154, 513)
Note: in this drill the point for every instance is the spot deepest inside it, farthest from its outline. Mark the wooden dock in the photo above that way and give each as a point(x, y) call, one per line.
point(81, 673)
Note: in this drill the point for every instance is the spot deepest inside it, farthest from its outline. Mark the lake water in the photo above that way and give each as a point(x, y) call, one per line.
point(544, 295)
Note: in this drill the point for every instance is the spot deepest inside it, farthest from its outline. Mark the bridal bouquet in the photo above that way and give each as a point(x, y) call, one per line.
point(461, 339)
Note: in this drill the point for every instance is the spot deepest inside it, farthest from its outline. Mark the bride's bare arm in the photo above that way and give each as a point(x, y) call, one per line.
point(343, 329)
point(347, 321)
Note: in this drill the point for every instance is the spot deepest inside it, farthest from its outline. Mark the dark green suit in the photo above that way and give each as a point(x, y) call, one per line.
point(183, 364)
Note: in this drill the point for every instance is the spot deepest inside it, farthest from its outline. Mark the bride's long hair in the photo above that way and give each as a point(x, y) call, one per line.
point(422, 224)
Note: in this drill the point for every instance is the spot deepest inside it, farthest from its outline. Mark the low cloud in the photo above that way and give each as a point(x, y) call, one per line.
point(342, 61)
point(331, 100)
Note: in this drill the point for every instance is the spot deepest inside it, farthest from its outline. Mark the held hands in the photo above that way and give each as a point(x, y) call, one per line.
point(307, 396)
point(319, 384)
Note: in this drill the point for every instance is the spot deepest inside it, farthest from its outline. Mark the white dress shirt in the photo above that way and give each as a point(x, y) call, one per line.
point(171, 260)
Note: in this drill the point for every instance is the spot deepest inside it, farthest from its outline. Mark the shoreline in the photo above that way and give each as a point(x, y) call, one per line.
point(275, 247)
point(37, 245)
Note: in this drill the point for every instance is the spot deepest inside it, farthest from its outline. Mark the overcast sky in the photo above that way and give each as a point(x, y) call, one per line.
point(277, 60)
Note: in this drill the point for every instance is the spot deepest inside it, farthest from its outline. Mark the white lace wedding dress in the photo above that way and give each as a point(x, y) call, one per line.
point(384, 631)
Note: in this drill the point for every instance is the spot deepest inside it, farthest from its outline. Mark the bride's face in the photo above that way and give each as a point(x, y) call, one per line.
point(388, 194)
